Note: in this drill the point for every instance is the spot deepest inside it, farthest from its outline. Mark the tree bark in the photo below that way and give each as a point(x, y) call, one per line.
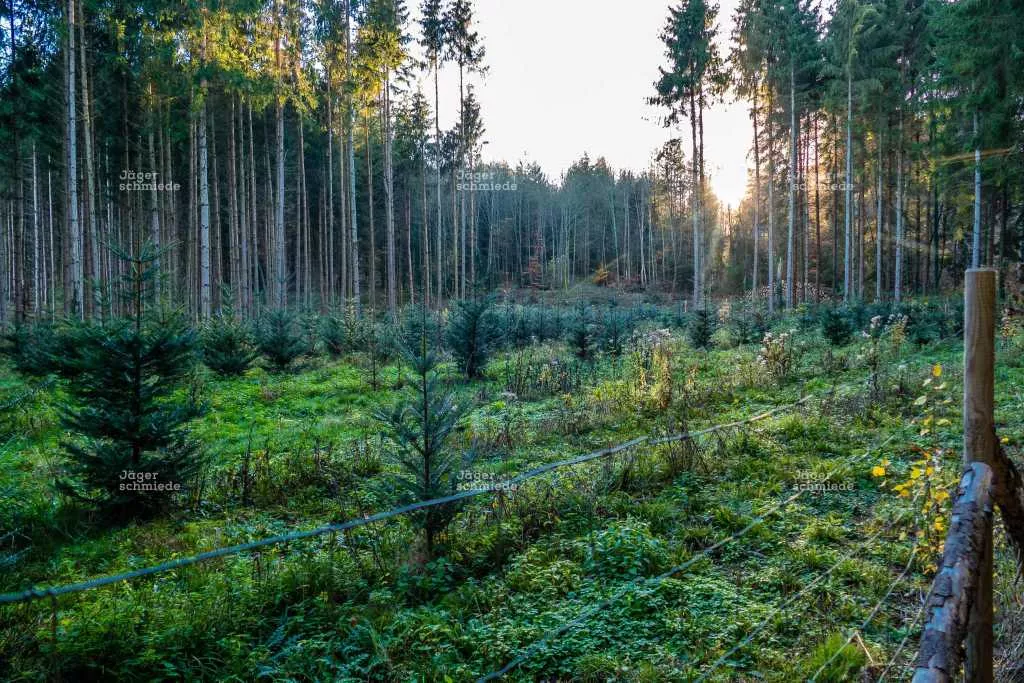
point(74, 230)
point(848, 248)
point(790, 246)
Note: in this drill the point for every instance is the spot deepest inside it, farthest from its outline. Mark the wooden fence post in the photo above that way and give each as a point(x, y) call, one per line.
point(980, 446)
point(952, 597)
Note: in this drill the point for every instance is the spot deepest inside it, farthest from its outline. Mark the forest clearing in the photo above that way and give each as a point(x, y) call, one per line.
point(457, 340)
point(851, 475)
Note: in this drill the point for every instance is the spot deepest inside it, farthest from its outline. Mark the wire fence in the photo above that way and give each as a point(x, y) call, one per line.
point(870, 617)
point(30, 594)
point(806, 589)
point(643, 585)
point(646, 584)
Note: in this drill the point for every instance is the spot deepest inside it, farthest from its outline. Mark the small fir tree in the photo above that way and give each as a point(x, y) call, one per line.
point(701, 329)
point(227, 346)
point(280, 340)
point(836, 327)
point(471, 335)
point(418, 426)
point(581, 334)
point(134, 453)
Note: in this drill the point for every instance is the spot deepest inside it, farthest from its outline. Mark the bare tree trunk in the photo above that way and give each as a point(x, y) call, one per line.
point(848, 249)
point(408, 245)
point(976, 232)
point(299, 224)
point(342, 244)
point(437, 177)
point(389, 203)
point(771, 209)
point(74, 231)
point(233, 223)
point(425, 237)
point(254, 278)
point(154, 203)
point(757, 200)
point(280, 275)
point(790, 255)
point(817, 216)
point(373, 232)
point(696, 204)
point(204, 206)
point(327, 248)
point(898, 271)
point(90, 176)
point(35, 232)
point(879, 230)
point(51, 285)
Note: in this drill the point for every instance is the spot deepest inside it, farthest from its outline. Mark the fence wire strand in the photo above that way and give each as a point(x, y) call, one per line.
point(56, 591)
point(821, 577)
point(642, 582)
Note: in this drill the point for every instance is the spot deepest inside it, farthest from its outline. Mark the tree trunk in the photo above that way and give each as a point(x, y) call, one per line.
point(757, 199)
point(817, 217)
point(790, 246)
point(437, 178)
point(898, 258)
point(389, 204)
point(976, 233)
point(696, 203)
point(848, 248)
point(880, 219)
point(771, 209)
point(204, 197)
point(373, 231)
point(354, 246)
point(74, 230)
point(90, 176)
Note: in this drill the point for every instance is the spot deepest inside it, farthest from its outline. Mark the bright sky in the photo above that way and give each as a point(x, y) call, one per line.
point(572, 76)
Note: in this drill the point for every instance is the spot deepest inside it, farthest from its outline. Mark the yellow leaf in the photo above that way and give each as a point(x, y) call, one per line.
point(878, 471)
point(1005, 439)
point(915, 472)
point(929, 471)
point(937, 370)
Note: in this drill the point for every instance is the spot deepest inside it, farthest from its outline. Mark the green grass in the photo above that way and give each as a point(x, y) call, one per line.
point(366, 607)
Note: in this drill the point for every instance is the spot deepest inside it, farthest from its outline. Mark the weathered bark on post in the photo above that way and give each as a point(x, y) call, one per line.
point(952, 600)
point(980, 445)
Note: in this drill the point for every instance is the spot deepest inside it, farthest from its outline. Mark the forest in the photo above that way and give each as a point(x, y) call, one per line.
point(298, 382)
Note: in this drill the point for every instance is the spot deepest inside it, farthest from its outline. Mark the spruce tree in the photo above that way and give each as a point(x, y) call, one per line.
point(701, 328)
point(227, 346)
point(418, 426)
point(334, 335)
point(471, 335)
point(581, 334)
point(133, 452)
point(280, 339)
point(836, 327)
